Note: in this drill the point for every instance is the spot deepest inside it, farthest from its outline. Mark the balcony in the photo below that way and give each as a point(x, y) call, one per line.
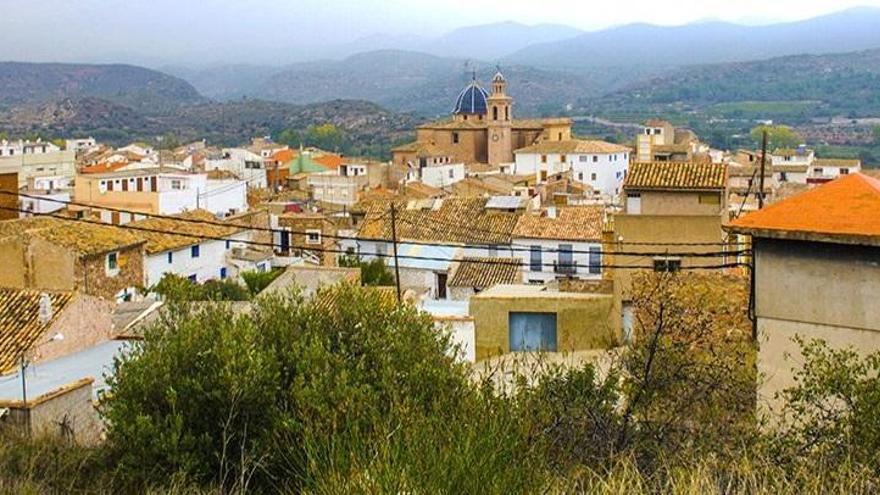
point(565, 268)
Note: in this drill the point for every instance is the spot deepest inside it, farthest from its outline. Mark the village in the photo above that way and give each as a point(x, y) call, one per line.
point(515, 236)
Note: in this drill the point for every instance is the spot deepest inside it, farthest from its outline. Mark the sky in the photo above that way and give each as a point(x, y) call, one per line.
point(156, 32)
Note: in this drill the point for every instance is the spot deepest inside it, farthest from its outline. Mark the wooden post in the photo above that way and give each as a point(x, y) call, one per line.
point(394, 244)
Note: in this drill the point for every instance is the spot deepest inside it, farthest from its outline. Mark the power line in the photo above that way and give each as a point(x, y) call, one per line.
point(378, 255)
point(505, 247)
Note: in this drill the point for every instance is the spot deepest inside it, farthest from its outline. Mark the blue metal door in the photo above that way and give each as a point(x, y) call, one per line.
point(532, 332)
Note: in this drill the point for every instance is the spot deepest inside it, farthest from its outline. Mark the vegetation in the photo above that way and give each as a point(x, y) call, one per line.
point(778, 136)
point(177, 288)
point(361, 396)
point(374, 273)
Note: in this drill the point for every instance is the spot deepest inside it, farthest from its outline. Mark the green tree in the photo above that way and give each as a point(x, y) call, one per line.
point(290, 137)
point(374, 273)
point(778, 136)
point(325, 136)
point(257, 281)
point(876, 132)
point(175, 288)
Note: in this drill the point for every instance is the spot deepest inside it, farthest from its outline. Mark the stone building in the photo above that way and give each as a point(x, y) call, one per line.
point(482, 130)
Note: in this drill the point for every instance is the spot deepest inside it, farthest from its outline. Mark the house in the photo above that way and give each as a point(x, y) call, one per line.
point(309, 279)
point(80, 145)
point(244, 164)
point(42, 330)
point(432, 233)
point(159, 191)
point(265, 148)
point(52, 254)
point(671, 220)
point(311, 236)
point(560, 243)
point(800, 156)
point(527, 318)
point(827, 169)
point(198, 249)
point(9, 194)
point(30, 162)
point(38, 147)
point(470, 276)
point(815, 275)
point(598, 164)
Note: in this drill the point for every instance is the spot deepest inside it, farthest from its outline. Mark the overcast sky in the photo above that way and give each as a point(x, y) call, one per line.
point(162, 31)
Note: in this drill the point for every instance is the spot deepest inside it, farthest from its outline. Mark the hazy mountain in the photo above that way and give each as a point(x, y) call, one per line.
point(707, 42)
point(135, 87)
point(420, 83)
point(490, 42)
point(226, 82)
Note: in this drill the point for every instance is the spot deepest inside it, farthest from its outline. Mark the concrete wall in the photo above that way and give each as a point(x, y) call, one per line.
point(84, 323)
point(213, 255)
point(815, 291)
point(68, 412)
point(682, 203)
point(8, 183)
point(583, 321)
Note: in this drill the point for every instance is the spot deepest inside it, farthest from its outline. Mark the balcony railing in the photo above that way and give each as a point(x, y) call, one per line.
point(565, 268)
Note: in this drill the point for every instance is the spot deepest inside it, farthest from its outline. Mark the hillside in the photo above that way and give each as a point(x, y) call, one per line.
point(136, 87)
point(419, 83)
point(795, 89)
point(709, 42)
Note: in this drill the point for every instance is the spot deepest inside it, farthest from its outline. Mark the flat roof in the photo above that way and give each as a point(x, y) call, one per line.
point(527, 291)
point(50, 376)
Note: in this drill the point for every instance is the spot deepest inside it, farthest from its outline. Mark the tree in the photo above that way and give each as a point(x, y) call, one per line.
point(175, 288)
point(374, 273)
point(257, 281)
point(778, 136)
point(290, 137)
point(876, 133)
point(325, 136)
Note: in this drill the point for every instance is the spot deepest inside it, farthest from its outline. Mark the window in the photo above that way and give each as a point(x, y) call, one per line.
point(634, 203)
point(451, 173)
point(581, 176)
point(313, 237)
point(710, 199)
point(560, 136)
point(844, 171)
point(543, 158)
point(595, 158)
point(223, 273)
point(494, 113)
point(593, 176)
point(112, 263)
point(194, 251)
point(532, 332)
point(176, 184)
point(563, 158)
point(228, 244)
point(454, 138)
point(818, 170)
point(595, 260)
point(565, 263)
point(193, 278)
point(170, 257)
point(535, 261)
point(583, 158)
point(667, 264)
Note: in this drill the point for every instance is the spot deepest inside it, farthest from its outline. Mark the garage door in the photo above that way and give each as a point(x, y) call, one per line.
point(532, 332)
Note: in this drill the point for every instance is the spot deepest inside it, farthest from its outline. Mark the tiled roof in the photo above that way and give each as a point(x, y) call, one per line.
point(843, 210)
point(449, 220)
point(539, 123)
point(676, 176)
point(574, 146)
point(103, 167)
point(330, 160)
point(482, 273)
point(837, 162)
point(471, 186)
point(20, 326)
point(420, 190)
point(671, 148)
point(140, 172)
point(421, 148)
point(284, 156)
point(157, 243)
point(572, 223)
point(455, 125)
point(790, 152)
point(82, 237)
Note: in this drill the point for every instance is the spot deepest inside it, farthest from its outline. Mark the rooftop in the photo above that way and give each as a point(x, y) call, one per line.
point(482, 273)
point(523, 291)
point(140, 172)
point(676, 176)
point(837, 162)
point(82, 237)
point(186, 233)
point(573, 223)
point(841, 211)
point(574, 146)
point(20, 325)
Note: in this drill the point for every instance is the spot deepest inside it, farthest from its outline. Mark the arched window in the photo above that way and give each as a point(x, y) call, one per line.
point(494, 113)
point(506, 113)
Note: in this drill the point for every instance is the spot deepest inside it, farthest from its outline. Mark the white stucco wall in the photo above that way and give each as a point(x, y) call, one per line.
point(550, 254)
point(212, 257)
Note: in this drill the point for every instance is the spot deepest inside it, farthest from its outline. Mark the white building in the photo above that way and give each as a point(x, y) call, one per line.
point(35, 163)
point(190, 257)
point(827, 169)
point(17, 148)
point(560, 243)
point(80, 145)
point(244, 164)
point(801, 156)
point(598, 164)
point(439, 175)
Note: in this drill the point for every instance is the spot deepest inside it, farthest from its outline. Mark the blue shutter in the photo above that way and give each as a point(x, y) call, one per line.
point(595, 260)
point(532, 332)
point(537, 264)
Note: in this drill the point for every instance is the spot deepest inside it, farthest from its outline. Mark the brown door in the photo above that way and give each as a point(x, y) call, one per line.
point(110, 185)
point(114, 217)
point(125, 184)
point(140, 184)
point(153, 187)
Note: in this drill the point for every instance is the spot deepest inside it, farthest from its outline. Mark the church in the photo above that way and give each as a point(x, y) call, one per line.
point(482, 130)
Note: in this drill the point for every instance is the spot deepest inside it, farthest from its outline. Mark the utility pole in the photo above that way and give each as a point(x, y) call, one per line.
point(24, 403)
point(763, 165)
point(394, 244)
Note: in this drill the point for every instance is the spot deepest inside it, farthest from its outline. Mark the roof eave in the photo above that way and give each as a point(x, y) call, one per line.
point(803, 235)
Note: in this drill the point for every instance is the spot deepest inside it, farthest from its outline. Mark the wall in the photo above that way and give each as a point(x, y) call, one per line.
point(224, 197)
point(549, 252)
point(583, 321)
point(438, 175)
point(212, 257)
point(68, 412)
point(681, 203)
point(41, 165)
point(87, 189)
point(50, 267)
point(461, 332)
point(85, 322)
point(662, 229)
point(8, 183)
point(610, 170)
point(91, 274)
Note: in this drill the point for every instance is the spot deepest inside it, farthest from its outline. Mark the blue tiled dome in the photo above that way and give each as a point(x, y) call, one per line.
point(472, 100)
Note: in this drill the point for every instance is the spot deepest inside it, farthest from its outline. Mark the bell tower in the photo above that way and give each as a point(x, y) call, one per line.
point(500, 122)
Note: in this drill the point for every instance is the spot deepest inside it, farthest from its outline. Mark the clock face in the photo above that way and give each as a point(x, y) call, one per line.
point(495, 137)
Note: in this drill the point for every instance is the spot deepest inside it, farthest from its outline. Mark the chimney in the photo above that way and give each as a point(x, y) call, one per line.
point(45, 309)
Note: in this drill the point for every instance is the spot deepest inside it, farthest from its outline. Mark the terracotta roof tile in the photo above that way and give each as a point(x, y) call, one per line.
point(573, 223)
point(837, 162)
point(20, 325)
point(676, 176)
point(843, 210)
point(187, 232)
point(82, 237)
point(574, 146)
point(482, 273)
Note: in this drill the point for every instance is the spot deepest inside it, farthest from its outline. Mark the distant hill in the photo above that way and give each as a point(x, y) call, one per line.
point(491, 42)
point(135, 87)
point(793, 89)
point(420, 83)
point(708, 42)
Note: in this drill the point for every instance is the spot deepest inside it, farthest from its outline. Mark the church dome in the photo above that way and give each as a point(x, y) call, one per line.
point(472, 100)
